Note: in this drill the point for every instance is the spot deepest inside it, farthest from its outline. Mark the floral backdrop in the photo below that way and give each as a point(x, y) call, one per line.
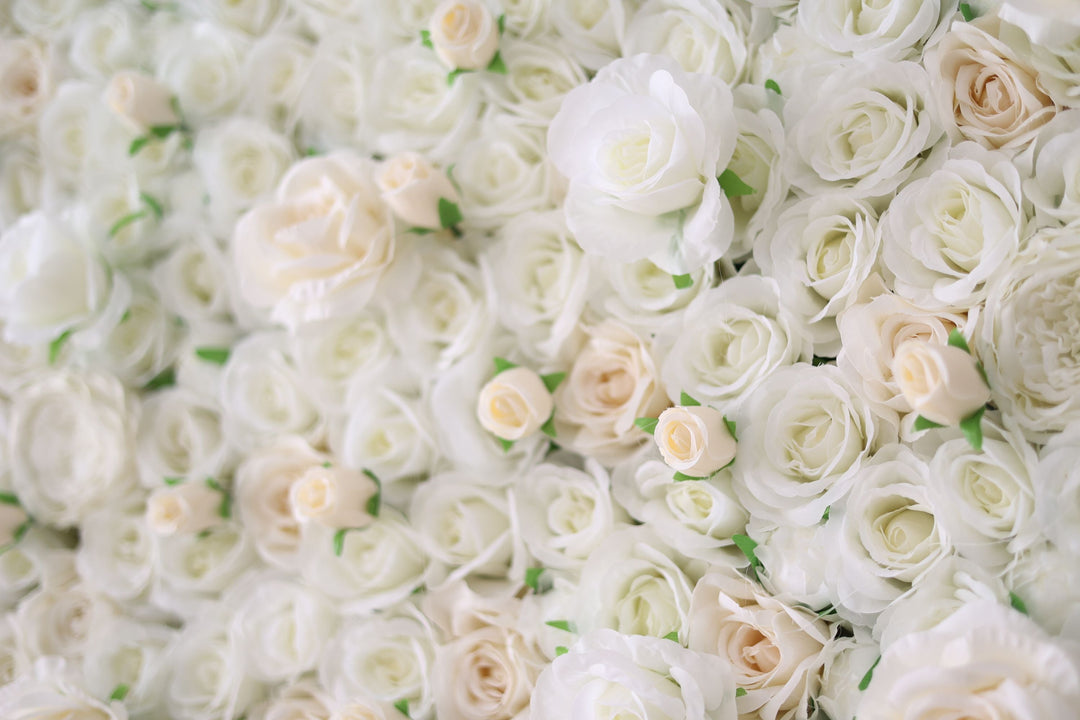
point(539, 359)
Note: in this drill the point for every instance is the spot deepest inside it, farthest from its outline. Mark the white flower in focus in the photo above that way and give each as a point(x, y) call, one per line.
point(514, 404)
point(464, 34)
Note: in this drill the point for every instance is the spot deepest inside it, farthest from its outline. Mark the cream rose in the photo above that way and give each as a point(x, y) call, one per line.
point(333, 496)
point(187, 508)
point(464, 34)
point(25, 82)
point(514, 404)
point(414, 188)
point(140, 100)
point(941, 383)
point(694, 440)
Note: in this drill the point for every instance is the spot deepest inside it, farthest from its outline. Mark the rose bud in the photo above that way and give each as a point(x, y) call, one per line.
point(694, 440)
point(187, 508)
point(464, 34)
point(11, 518)
point(336, 497)
point(140, 100)
point(514, 404)
point(412, 187)
point(942, 383)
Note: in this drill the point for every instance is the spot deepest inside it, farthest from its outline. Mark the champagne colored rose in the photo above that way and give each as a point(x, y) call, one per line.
point(694, 440)
point(140, 100)
point(187, 508)
point(942, 383)
point(11, 517)
point(412, 187)
point(464, 34)
point(514, 404)
point(332, 496)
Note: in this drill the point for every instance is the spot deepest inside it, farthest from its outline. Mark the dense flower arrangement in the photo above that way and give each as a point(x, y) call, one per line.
point(539, 359)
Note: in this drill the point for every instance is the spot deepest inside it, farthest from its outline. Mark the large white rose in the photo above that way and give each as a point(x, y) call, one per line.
point(117, 555)
point(642, 146)
point(605, 673)
point(892, 30)
point(51, 691)
point(275, 73)
point(196, 567)
point(1054, 185)
point(125, 652)
point(193, 279)
point(201, 63)
point(593, 29)
point(208, 673)
point(180, 436)
point(644, 297)
point(105, 40)
point(706, 38)
point(985, 660)
point(538, 76)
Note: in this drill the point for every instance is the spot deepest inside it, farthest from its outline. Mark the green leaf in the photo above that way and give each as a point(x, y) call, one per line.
point(163, 131)
point(1017, 603)
point(739, 692)
point(225, 508)
point(552, 380)
point(402, 707)
point(138, 144)
point(819, 361)
point(679, 477)
point(172, 480)
point(119, 692)
point(339, 541)
point(682, 281)
point(425, 39)
point(165, 378)
point(20, 532)
point(747, 545)
point(125, 221)
point(501, 22)
point(560, 650)
point(328, 464)
point(449, 213)
point(733, 186)
point(502, 365)
point(497, 65)
point(548, 428)
point(982, 373)
point(216, 355)
point(532, 578)
point(673, 636)
point(922, 423)
point(687, 401)
point(506, 444)
point(311, 151)
point(971, 426)
point(562, 625)
point(826, 611)
point(153, 203)
point(57, 345)
point(453, 75)
point(731, 428)
point(646, 424)
point(9, 499)
point(967, 12)
point(865, 682)
point(374, 503)
point(956, 340)
point(825, 515)
point(771, 84)
point(420, 231)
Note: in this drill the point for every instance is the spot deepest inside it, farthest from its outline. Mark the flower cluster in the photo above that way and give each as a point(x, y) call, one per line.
point(539, 359)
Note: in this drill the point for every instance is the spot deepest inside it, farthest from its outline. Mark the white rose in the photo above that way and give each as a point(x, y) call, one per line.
point(941, 383)
point(387, 659)
point(193, 280)
point(612, 382)
point(143, 341)
point(379, 565)
point(190, 507)
point(886, 535)
point(50, 691)
point(140, 101)
point(626, 201)
point(1055, 61)
point(774, 649)
point(12, 518)
point(333, 92)
point(276, 72)
point(758, 161)
point(26, 80)
point(254, 17)
point(117, 555)
point(13, 659)
point(105, 40)
point(795, 565)
point(208, 677)
point(803, 436)
point(986, 91)
point(704, 38)
point(58, 619)
point(538, 76)
point(133, 654)
point(605, 672)
point(53, 282)
point(632, 583)
point(201, 63)
point(24, 565)
point(695, 518)
point(1058, 473)
point(564, 513)
point(414, 189)
point(464, 34)
point(114, 213)
point(514, 404)
point(319, 248)
point(261, 394)
point(1046, 22)
point(844, 665)
point(821, 252)
point(70, 444)
point(892, 30)
point(302, 700)
point(195, 567)
point(282, 625)
point(870, 335)
point(882, 110)
point(1054, 186)
point(694, 440)
point(984, 659)
point(69, 122)
point(592, 29)
point(389, 434)
point(21, 182)
point(180, 436)
point(644, 297)
point(1034, 381)
point(541, 281)
point(1046, 579)
point(333, 496)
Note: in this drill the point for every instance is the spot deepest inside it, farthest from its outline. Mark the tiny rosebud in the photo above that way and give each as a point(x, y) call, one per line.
point(186, 508)
point(514, 404)
point(941, 383)
point(464, 34)
point(140, 100)
point(11, 519)
point(694, 440)
point(412, 187)
point(335, 497)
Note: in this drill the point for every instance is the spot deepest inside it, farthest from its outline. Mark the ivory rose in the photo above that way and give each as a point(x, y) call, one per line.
point(464, 34)
point(140, 101)
point(413, 187)
point(694, 440)
point(942, 383)
point(514, 404)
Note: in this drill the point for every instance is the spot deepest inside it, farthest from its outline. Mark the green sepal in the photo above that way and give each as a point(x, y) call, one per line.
point(125, 221)
point(537, 579)
point(339, 541)
point(680, 477)
point(453, 75)
point(819, 361)
point(865, 682)
point(138, 144)
point(747, 546)
point(672, 636)
point(163, 131)
point(966, 11)
point(216, 355)
point(119, 692)
point(225, 508)
point(402, 706)
point(687, 401)
point(956, 340)
point(311, 151)
point(420, 231)
point(825, 515)
point(497, 65)
point(682, 281)
point(739, 692)
point(771, 84)
point(826, 611)
point(165, 378)
point(733, 186)
point(328, 464)
point(647, 424)
point(374, 503)
point(548, 428)
point(425, 39)
point(449, 213)
point(506, 444)
point(971, 426)
point(982, 372)
point(1017, 603)
point(552, 380)
point(500, 22)
point(153, 203)
point(562, 625)
point(172, 480)
point(560, 650)
point(57, 345)
point(922, 423)
point(731, 428)
point(502, 365)
point(9, 499)
point(20, 532)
